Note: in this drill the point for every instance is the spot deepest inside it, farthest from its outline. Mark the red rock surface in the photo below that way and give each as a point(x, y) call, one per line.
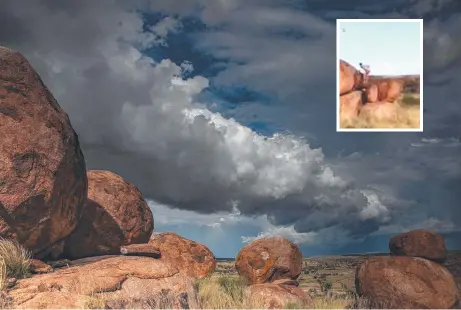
point(269, 259)
point(43, 182)
point(278, 296)
point(140, 250)
point(372, 93)
point(37, 266)
point(388, 89)
point(193, 258)
point(411, 83)
point(115, 282)
point(406, 283)
point(115, 214)
point(350, 105)
point(420, 243)
point(349, 78)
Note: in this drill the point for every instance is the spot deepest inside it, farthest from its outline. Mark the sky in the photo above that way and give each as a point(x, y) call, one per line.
point(223, 114)
point(388, 47)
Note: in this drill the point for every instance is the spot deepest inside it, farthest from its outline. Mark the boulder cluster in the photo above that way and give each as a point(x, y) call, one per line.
point(271, 267)
point(95, 222)
point(360, 94)
point(412, 277)
point(98, 225)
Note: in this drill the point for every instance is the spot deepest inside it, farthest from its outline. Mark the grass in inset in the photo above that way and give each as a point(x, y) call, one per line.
point(404, 113)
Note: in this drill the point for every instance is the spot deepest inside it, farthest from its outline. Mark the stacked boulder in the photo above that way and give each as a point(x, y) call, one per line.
point(411, 277)
point(384, 90)
point(367, 95)
point(271, 266)
point(351, 83)
point(419, 243)
point(114, 214)
point(55, 208)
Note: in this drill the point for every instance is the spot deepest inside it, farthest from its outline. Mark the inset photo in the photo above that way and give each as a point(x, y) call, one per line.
point(379, 75)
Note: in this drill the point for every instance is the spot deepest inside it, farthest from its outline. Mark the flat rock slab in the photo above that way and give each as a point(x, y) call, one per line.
point(117, 280)
point(140, 250)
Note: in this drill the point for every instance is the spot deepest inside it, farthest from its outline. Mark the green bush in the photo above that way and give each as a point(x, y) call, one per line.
point(409, 99)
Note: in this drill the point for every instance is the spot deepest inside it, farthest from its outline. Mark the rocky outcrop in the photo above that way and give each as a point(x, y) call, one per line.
point(406, 279)
point(37, 266)
point(419, 243)
point(411, 83)
point(371, 93)
point(384, 90)
point(351, 83)
point(43, 182)
point(359, 94)
point(114, 215)
point(268, 259)
point(271, 267)
point(278, 296)
point(107, 282)
point(195, 259)
point(349, 78)
point(350, 105)
point(406, 283)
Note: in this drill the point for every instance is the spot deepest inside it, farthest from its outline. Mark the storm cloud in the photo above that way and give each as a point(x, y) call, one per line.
point(147, 119)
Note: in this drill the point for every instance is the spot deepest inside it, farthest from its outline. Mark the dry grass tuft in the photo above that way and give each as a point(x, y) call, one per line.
point(94, 301)
point(343, 302)
point(410, 100)
point(15, 257)
point(333, 303)
point(226, 292)
point(4, 298)
point(164, 300)
point(407, 115)
point(293, 305)
point(3, 275)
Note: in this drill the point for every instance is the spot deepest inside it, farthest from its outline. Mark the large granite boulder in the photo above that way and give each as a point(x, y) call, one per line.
point(114, 215)
point(406, 283)
point(419, 243)
point(193, 258)
point(43, 182)
point(268, 259)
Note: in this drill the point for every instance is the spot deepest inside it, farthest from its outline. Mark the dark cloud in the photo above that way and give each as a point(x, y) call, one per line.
point(139, 118)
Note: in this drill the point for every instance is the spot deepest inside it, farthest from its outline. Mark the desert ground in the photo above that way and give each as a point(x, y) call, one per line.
point(330, 279)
